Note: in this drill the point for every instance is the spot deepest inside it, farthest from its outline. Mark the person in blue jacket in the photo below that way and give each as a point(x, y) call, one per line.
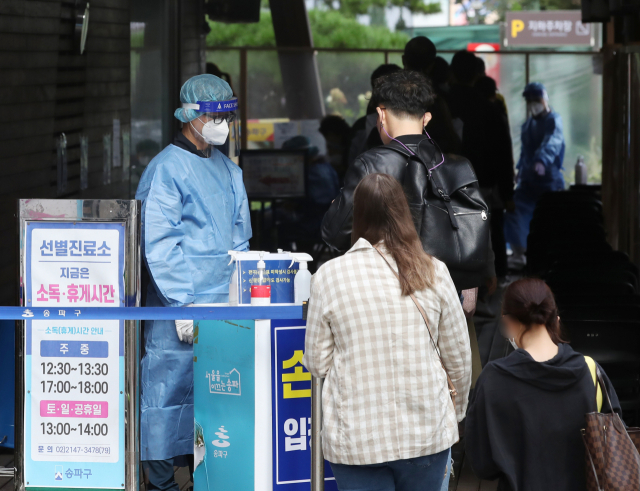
point(540, 165)
point(194, 210)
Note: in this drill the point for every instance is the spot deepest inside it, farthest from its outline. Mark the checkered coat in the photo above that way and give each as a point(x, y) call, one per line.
point(385, 395)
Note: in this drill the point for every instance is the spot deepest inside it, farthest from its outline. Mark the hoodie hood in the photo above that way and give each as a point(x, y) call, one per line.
point(559, 373)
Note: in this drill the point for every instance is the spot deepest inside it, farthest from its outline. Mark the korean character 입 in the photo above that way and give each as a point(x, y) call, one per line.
point(42, 292)
point(84, 349)
point(89, 248)
point(97, 410)
point(78, 409)
point(46, 246)
point(64, 272)
point(298, 375)
point(88, 409)
point(64, 408)
point(108, 292)
point(72, 293)
point(75, 248)
point(292, 441)
point(84, 273)
point(64, 348)
point(51, 408)
point(61, 247)
point(54, 292)
point(103, 249)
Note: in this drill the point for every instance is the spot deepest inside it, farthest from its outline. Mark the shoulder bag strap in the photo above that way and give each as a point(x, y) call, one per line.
point(452, 389)
point(592, 368)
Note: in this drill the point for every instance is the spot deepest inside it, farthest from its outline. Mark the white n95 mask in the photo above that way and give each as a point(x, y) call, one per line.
point(536, 108)
point(214, 134)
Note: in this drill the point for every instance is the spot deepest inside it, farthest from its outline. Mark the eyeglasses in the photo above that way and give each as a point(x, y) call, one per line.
point(218, 118)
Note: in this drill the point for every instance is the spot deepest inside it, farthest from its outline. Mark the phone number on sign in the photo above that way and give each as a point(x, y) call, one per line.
point(74, 450)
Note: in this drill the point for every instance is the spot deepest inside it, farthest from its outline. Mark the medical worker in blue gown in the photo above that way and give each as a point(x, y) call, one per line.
point(194, 210)
point(539, 168)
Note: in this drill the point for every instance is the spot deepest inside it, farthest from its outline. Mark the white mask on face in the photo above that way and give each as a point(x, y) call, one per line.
point(536, 108)
point(212, 133)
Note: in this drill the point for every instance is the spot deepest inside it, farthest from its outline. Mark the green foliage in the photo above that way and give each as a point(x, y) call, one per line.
point(352, 8)
point(501, 7)
point(330, 29)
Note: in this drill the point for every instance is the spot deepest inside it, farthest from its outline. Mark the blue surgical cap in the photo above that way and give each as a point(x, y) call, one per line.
point(201, 88)
point(535, 90)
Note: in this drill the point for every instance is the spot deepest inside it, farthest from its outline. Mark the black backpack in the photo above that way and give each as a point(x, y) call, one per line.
point(453, 219)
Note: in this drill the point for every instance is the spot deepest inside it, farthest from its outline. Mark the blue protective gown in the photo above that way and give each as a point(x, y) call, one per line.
point(542, 141)
point(194, 210)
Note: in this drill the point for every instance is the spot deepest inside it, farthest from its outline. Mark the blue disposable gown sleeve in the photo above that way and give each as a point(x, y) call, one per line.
point(242, 227)
point(163, 233)
point(552, 143)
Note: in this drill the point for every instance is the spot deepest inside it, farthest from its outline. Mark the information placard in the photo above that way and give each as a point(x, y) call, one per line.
point(74, 369)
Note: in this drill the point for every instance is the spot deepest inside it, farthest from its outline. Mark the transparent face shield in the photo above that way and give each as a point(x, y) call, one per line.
point(220, 112)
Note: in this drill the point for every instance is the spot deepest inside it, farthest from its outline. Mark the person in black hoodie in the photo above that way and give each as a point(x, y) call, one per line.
point(524, 419)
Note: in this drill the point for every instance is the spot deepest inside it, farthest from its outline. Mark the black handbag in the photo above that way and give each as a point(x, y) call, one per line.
point(453, 218)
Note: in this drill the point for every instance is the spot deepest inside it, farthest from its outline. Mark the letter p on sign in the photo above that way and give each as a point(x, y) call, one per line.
point(516, 27)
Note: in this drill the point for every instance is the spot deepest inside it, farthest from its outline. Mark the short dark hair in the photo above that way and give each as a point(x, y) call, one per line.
point(530, 301)
point(480, 66)
point(419, 53)
point(383, 70)
point(486, 86)
point(464, 67)
point(407, 94)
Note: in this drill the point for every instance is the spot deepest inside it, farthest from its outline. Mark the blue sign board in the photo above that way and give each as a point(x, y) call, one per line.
point(291, 396)
point(280, 274)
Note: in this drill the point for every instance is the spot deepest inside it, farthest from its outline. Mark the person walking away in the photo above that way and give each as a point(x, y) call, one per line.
point(389, 420)
point(539, 167)
point(194, 210)
point(403, 103)
point(527, 410)
point(486, 142)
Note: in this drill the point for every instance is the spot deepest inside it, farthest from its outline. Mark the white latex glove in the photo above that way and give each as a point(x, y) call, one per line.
point(185, 331)
point(540, 169)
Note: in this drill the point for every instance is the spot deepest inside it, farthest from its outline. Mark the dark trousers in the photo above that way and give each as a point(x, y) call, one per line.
point(160, 472)
point(420, 474)
point(498, 242)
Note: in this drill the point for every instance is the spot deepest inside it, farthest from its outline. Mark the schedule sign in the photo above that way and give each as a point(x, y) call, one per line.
point(74, 369)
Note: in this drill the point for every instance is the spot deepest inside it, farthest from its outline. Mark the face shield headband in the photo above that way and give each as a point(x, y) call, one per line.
point(212, 107)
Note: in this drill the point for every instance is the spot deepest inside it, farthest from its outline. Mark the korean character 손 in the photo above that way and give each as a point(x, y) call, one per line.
point(64, 408)
point(54, 292)
point(294, 442)
point(84, 273)
point(298, 375)
point(107, 292)
point(103, 249)
point(75, 245)
point(64, 348)
point(46, 246)
point(78, 409)
point(97, 410)
point(51, 408)
point(42, 292)
point(61, 247)
point(84, 348)
point(89, 248)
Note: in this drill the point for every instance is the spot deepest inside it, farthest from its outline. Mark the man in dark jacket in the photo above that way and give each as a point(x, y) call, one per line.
point(486, 142)
point(403, 101)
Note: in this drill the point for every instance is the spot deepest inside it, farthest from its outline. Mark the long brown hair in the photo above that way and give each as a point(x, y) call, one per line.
point(530, 301)
point(381, 214)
